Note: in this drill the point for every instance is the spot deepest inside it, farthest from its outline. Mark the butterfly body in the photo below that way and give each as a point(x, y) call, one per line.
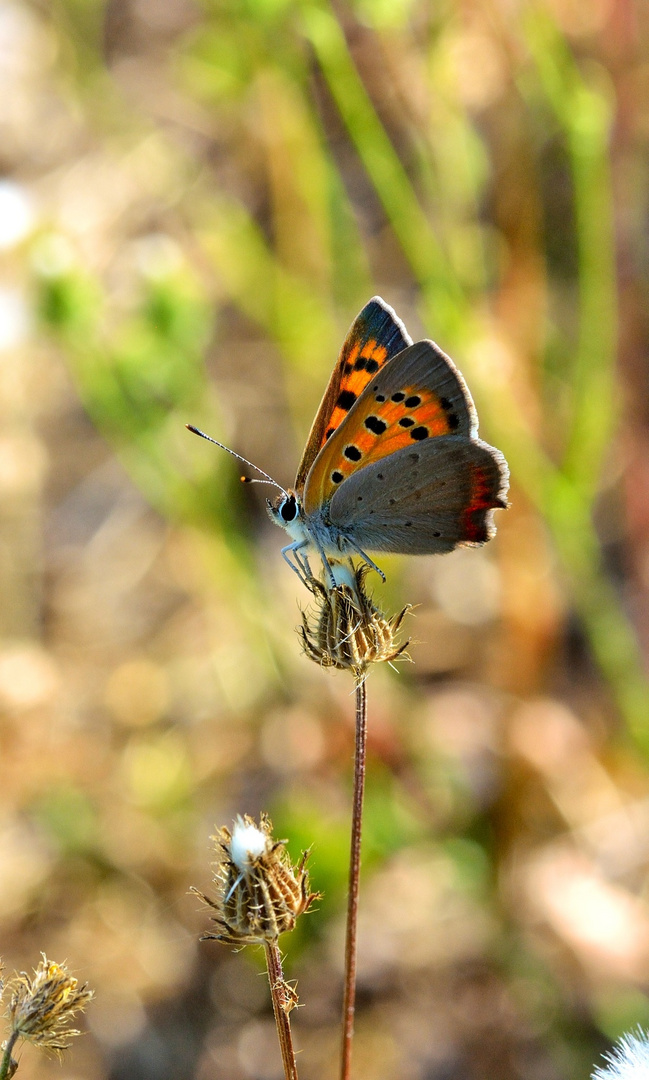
point(393, 462)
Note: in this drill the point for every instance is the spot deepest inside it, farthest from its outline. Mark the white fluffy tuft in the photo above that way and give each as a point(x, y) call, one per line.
point(628, 1060)
point(247, 844)
point(343, 575)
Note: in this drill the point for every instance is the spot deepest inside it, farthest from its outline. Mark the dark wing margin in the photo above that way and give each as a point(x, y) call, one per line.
point(376, 335)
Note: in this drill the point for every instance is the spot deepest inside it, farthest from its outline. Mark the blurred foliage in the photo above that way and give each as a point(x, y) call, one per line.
point(197, 198)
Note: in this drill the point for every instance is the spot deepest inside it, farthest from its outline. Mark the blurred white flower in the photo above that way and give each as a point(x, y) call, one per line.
point(14, 318)
point(17, 214)
point(628, 1060)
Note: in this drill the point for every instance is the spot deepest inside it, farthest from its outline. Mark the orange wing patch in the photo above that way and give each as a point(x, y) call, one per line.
point(375, 336)
point(358, 367)
point(379, 428)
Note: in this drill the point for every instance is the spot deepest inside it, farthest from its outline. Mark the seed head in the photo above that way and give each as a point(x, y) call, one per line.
point(628, 1060)
point(260, 894)
point(41, 1006)
point(346, 630)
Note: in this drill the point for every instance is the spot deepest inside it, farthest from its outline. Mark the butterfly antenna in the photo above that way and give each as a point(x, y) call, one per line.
point(254, 480)
point(246, 479)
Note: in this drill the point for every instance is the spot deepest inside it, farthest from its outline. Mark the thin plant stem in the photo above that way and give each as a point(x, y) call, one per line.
point(281, 1006)
point(5, 1064)
point(349, 1000)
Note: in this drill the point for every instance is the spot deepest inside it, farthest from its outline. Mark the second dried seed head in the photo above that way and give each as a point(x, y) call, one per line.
point(260, 894)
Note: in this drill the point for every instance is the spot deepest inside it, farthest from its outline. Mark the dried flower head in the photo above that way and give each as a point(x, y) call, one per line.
point(260, 893)
point(347, 630)
point(628, 1060)
point(42, 1006)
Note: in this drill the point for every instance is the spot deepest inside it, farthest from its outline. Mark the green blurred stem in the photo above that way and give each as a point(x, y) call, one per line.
point(611, 635)
point(594, 401)
point(8, 1066)
point(281, 1007)
point(381, 161)
point(584, 112)
point(349, 998)
point(566, 507)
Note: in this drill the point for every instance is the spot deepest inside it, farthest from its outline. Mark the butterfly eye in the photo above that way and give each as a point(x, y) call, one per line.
point(288, 509)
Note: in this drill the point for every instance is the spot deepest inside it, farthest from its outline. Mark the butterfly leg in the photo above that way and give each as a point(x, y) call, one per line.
point(329, 574)
point(304, 568)
point(372, 565)
point(300, 566)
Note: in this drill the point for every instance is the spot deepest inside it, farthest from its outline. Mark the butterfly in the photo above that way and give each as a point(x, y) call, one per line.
point(393, 462)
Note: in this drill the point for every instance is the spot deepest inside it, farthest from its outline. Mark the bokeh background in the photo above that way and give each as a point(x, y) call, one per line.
point(196, 199)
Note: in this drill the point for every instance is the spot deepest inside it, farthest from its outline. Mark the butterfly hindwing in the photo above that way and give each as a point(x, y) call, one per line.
point(376, 335)
point(423, 499)
point(419, 395)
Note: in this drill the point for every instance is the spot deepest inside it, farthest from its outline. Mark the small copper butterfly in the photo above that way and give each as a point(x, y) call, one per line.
point(393, 462)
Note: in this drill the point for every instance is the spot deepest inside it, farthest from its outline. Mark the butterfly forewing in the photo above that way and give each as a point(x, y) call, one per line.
point(417, 396)
point(425, 499)
point(376, 335)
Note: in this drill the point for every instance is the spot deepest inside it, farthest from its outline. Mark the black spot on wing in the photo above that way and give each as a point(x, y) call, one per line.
point(419, 433)
point(412, 402)
point(346, 399)
point(336, 477)
point(352, 453)
point(406, 421)
point(375, 425)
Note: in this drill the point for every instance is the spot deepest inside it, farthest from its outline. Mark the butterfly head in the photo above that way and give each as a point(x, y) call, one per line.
point(286, 512)
point(287, 508)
